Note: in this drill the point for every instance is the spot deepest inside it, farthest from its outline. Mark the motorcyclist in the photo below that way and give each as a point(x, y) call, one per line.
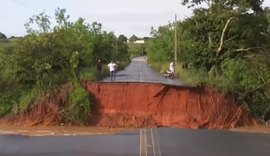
point(170, 72)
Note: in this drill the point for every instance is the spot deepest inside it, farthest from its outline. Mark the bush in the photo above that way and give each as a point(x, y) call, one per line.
point(88, 74)
point(258, 104)
point(122, 65)
point(79, 108)
point(135, 49)
point(5, 105)
point(27, 98)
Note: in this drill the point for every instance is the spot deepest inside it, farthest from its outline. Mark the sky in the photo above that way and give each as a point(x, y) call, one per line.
point(125, 17)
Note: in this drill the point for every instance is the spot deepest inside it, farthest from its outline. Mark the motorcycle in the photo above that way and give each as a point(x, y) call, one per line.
point(169, 74)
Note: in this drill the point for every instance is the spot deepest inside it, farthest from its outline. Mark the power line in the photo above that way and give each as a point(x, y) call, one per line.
point(24, 5)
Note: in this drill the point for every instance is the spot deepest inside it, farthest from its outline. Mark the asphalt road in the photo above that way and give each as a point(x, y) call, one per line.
point(141, 142)
point(139, 71)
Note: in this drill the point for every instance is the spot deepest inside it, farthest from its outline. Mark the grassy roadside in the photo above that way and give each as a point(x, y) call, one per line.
point(253, 129)
point(193, 77)
point(180, 73)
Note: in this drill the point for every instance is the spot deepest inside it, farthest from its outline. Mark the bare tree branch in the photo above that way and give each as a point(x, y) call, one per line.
point(248, 49)
point(222, 35)
point(231, 38)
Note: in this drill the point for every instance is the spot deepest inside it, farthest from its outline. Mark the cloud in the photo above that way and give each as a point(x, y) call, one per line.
point(121, 16)
point(133, 23)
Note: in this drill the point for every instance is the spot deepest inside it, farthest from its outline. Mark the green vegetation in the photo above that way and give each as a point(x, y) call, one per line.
point(135, 49)
point(79, 108)
point(2, 36)
point(48, 57)
point(136, 46)
point(225, 45)
point(25, 100)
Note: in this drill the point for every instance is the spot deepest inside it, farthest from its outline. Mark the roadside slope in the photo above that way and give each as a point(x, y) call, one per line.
point(137, 105)
point(154, 105)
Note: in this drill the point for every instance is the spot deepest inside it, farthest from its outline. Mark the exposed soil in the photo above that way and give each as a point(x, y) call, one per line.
point(262, 128)
point(59, 130)
point(46, 112)
point(136, 105)
point(155, 105)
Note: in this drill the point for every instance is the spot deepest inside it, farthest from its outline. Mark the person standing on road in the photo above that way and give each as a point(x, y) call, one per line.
point(99, 69)
point(99, 65)
point(112, 67)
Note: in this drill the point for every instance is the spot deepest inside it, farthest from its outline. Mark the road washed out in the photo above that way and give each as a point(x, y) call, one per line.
point(158, 105)
point(138, 105)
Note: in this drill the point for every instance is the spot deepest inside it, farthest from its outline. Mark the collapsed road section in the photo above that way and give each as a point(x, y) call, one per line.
point(157, 105)
point(139, 105)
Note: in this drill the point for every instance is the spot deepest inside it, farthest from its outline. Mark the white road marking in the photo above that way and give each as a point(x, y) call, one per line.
point(158, 145)
point(141, 74)
point(140, 142)
point(153, 142)
point(145, 137)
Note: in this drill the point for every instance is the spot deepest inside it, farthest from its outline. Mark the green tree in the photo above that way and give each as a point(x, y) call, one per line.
point(48, 57)
point(228, 41)
point(160, 48)
point(2, 36)
point(122, 39)
point(121, 47)
point(133, 38)
point(42, 21)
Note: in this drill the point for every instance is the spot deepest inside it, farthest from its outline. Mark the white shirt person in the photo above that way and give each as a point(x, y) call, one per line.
point(172, 66)
point(112, 67)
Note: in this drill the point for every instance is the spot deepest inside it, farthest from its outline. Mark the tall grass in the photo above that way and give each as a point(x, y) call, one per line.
point(79, 108)
point(26, 100)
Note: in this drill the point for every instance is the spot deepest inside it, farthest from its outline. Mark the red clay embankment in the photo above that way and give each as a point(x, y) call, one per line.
point(154, 105)
point(136, 105)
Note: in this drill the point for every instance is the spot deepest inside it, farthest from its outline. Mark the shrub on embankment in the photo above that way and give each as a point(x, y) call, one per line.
point(66, 104)
point(79, 109)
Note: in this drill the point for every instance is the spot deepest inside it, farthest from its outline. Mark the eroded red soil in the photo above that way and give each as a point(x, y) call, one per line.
point(46, 112)
point(154, 105)
point(136, 105)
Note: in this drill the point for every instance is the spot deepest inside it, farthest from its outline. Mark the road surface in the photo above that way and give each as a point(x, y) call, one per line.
point(139, 71)
point(140, 142)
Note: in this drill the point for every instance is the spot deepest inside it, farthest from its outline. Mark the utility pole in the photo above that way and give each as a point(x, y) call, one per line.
point(116, 50)
point(175, 40)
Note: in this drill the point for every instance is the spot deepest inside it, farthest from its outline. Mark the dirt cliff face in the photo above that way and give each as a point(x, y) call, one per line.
point(136, 105)
point(154, 105)
point(45, 112)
